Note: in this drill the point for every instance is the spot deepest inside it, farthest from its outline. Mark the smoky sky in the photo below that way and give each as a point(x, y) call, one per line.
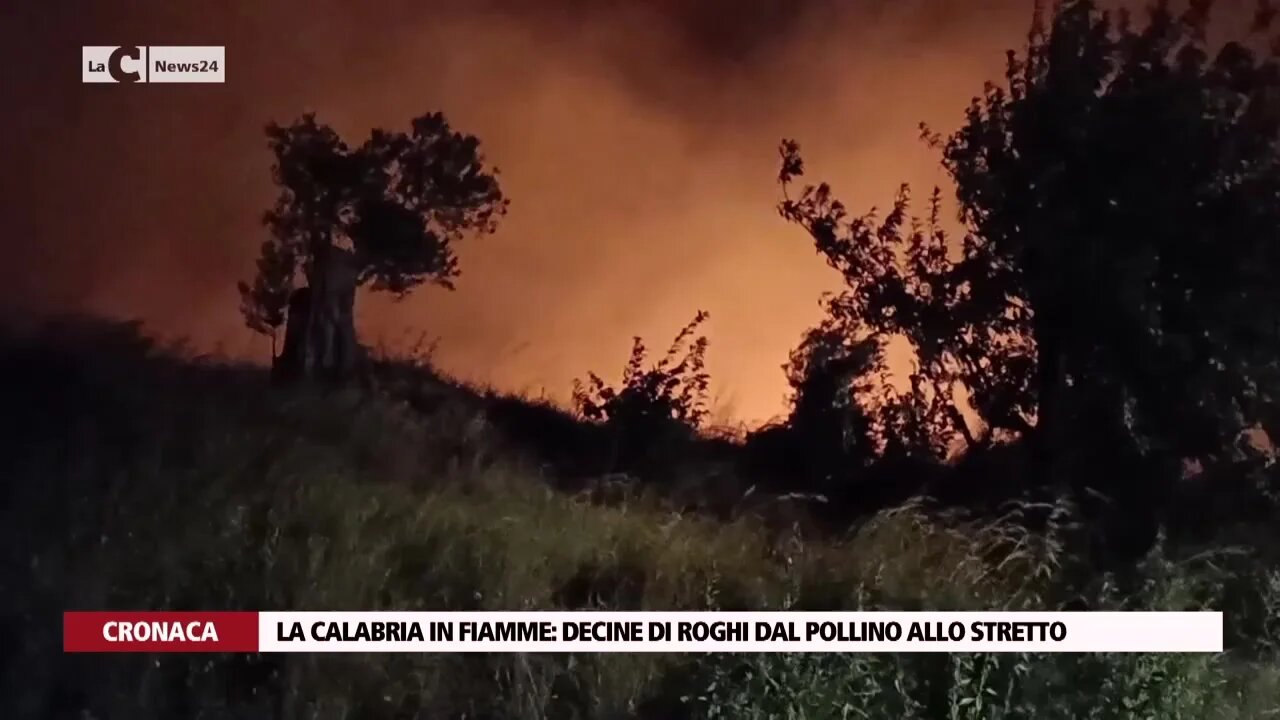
point(636, 140)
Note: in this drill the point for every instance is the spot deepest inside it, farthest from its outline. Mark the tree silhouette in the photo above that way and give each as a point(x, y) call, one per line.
point(902, 280)
point(389, 210)
point(1113, 296)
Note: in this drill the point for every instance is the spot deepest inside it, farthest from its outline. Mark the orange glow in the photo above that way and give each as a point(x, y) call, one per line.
point(641, 173)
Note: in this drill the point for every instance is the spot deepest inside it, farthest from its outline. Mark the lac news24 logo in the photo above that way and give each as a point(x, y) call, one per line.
point(153, 64)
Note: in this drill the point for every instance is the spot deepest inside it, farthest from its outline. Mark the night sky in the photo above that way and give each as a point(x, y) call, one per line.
point(637, 142)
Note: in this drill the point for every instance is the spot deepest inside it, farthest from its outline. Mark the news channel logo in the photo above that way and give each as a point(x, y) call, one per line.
point(153, 64)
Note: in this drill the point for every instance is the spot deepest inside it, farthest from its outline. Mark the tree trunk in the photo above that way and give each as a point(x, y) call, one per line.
point(1050, 381)
point(320, 337)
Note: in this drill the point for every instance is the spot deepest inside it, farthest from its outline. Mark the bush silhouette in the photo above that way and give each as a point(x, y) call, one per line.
point(656, 407)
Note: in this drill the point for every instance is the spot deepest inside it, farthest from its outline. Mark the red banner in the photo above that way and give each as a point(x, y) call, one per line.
point(186, 632)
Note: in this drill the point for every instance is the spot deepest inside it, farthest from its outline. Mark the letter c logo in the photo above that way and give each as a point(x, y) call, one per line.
point(107, 631)
point(117, 57)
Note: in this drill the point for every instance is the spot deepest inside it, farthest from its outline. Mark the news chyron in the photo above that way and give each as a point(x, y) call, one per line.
point(153, 64)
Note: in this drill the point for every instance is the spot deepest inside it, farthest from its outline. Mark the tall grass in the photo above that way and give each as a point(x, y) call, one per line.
point(141, 481)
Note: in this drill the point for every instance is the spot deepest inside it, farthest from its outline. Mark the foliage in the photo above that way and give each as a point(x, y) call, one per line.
point(654, 404)
point(398, 203)
point(900, 282)
point(1112, 295)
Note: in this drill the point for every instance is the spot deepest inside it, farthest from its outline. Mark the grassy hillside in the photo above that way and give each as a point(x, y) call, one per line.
point(138, 479)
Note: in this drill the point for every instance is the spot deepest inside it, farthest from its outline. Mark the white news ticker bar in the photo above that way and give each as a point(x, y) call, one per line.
point(1085, 632)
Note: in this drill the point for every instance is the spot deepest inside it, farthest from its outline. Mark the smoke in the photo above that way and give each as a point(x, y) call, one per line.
point(636, 140)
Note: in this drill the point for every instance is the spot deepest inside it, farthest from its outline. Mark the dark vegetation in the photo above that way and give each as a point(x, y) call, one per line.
point(142, 477)
point(1087, 424)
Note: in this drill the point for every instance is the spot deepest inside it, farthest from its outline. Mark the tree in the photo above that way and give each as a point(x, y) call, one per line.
point(902, 280)
point(264, 304)
point(385, 214)
point(1113, 297)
